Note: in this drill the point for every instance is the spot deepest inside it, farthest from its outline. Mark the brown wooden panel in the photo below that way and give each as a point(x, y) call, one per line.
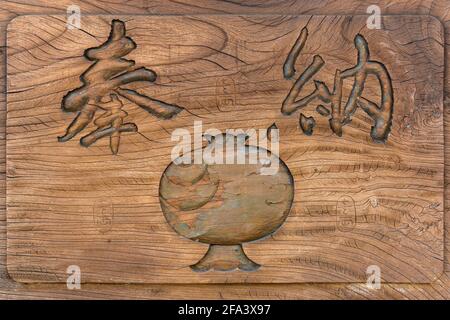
point(69, 205)
point(14, 290)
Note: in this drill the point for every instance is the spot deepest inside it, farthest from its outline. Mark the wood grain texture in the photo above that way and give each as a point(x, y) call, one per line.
point(437, 290)
point(357, 202)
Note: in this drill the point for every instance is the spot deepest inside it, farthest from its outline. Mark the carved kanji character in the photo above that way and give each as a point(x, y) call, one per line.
point(104, 80)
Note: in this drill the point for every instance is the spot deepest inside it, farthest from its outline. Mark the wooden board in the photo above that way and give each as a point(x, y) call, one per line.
point(9, 289)
point(396, 221)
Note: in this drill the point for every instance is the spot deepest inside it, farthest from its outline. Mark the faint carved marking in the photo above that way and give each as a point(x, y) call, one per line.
point(345, 213)
point(225, 92)
point(103, 215)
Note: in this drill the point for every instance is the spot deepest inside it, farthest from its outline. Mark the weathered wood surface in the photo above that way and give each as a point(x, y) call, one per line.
point(357, 202)
point(438, 289)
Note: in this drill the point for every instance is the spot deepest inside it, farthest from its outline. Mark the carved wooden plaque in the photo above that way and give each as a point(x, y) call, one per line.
point(349, 118)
